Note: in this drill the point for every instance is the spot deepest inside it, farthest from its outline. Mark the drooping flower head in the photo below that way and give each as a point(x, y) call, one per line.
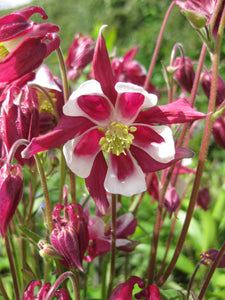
point(11, 190)
point(24, 44)
point(110, 140)
point(19, 118)
point(80, 54)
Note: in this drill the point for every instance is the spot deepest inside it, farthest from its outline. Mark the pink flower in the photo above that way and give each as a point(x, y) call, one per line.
point(106, 118)
point(80, 54)
point(23, 44)
point(100, 235)
point(11, 191)
point(124, 290)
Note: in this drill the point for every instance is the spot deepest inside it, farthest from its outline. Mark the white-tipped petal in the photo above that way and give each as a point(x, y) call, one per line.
point(133, 184)
point(126, 87)
point(81, 165)
point(163, 152)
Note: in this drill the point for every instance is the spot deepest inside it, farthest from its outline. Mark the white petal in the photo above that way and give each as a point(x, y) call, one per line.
point(134, 184)
point(90, 87)
point(163, 152)
point(45, 79)
point(126, 87)
point(80, 165)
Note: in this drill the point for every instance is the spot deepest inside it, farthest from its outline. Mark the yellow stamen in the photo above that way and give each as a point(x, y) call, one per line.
point(3, 51)
point(117, 138)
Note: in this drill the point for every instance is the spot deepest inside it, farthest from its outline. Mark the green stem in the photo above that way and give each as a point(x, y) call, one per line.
point(3, 291)
point(12, 269)
point(113, 246)
point(202, 155)
point(157, 47)
point(45, 192)
point(59, 281)
point(63, 74)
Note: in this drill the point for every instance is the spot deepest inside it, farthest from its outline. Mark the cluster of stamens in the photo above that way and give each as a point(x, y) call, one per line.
point(118, 137)
point(44, 105)
point(3, 51)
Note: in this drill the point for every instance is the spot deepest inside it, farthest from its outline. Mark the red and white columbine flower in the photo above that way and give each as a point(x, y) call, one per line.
point(110, 140)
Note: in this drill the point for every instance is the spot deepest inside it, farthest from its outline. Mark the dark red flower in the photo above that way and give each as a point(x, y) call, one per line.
point(203, 198)
point(185, 73)
point(80, 54)
point(11, 190)
point(151, 292)
point(219, 131)
point(70, 235)
point(24, 44)
point(19, 118)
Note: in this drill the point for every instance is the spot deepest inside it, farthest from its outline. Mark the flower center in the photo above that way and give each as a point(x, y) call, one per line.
point(117, 138)
point(3, 51)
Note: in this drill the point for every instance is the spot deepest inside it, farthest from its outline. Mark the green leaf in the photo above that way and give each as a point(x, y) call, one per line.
point(33, 237)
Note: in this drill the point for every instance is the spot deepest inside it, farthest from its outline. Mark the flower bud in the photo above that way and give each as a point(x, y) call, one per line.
point(185, 73)
point(11, 190)
point(172, 200)
point(196, 18)
point(80, 55)
point(219, 131)
point(203, 199)
point(206, 80)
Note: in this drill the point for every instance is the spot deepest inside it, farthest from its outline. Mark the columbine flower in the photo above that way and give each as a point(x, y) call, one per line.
point(23, 44)
point(104, 122)
point(203, 199)
point(19, 118)
point(80, 54)
point(11, 190)
point(70, 235)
